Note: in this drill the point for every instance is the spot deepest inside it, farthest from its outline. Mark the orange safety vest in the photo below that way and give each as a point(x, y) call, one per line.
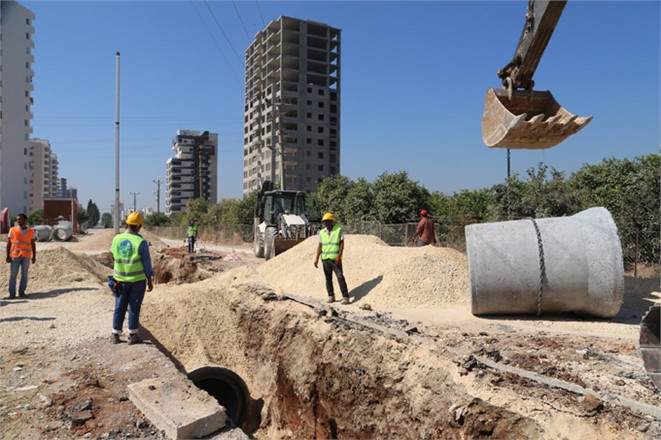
point(21, 244)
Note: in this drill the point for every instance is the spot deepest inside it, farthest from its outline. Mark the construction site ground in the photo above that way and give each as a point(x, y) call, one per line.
point(406, 359)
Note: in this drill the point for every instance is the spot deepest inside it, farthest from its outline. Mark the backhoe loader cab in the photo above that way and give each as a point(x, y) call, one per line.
point(282, 220)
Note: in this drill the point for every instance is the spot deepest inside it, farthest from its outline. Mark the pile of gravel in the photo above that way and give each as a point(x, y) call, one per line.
point(381, 275)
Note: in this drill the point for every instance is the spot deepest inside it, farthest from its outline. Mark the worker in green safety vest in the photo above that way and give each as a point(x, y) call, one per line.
point(133, 274)
point(330, 248)
point(191, 234)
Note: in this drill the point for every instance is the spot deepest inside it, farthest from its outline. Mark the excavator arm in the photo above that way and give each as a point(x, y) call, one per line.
point(541, 20)
point(516, 117)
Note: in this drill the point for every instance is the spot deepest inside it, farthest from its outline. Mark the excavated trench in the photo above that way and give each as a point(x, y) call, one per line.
point(285, 369)
point(287, 366)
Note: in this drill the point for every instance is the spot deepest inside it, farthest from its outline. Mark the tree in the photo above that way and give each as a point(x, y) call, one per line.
point(83, 218)
point(156, 220)
point(359, 202)
point(331, 194)
point(225, 213)
point(36, 218)
point(629, 189)
point(397, 199)
point(196, 210)
point(93, 214)
point(106, 220)
point(246, 210)
point(471, 206)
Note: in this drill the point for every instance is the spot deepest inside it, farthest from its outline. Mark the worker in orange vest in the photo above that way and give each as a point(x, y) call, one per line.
point(21, 249)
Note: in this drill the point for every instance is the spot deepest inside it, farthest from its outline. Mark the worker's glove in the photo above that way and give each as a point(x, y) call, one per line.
point(316, 262)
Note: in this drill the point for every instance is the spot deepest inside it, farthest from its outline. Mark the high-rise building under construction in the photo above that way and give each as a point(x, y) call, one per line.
point(292, 105)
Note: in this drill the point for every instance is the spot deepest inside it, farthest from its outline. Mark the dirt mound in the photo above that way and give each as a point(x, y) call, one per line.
point(394, 277)
point(59, 267)
point(102, 240)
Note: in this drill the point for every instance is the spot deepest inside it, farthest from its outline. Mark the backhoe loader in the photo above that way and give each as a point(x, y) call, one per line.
point(282, 220)
point(516, 116)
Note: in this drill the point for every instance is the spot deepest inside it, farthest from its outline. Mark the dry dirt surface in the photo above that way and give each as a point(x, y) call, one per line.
point(406, 359)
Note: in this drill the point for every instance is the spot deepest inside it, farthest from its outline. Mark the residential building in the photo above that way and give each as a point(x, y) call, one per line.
point(15, 105)
point(193, 172)
point(44, 173)
point(65, 191)
point(292, 105)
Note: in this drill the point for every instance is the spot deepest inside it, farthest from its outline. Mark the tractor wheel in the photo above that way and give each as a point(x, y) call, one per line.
point(259, 245)
point(269, 243)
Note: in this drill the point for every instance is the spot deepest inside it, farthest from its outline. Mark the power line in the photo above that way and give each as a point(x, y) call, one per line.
point(260, 13)
point(241, 20)
point(216, 43)
point(223, 31)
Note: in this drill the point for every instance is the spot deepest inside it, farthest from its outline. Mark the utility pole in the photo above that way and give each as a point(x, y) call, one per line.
point(277, 117)
point(158, 195)
point(281, 138)
point(134, 201)
point(201, 140)
point(117, 146)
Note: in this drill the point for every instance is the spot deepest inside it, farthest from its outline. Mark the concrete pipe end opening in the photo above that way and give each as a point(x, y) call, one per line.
point(226, 387)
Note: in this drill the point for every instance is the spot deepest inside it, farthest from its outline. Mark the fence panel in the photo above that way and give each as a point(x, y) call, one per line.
point(641, 251)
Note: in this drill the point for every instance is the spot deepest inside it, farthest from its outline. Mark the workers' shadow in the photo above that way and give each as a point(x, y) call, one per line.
point(361, 291)
point(56, 292)
point(27, 318)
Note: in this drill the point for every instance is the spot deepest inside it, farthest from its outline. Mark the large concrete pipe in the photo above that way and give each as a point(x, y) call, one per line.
point(564, 264)
point(62, 232)
point(226, 387)
point(43, 232)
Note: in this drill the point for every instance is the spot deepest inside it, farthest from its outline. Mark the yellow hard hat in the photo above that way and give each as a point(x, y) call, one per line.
point(328, 216)
point(134, 218)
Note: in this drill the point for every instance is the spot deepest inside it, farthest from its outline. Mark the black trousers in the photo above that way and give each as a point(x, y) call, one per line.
point(331, 266)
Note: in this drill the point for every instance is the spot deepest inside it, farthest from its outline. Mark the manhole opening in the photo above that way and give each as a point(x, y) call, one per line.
point(226, 387)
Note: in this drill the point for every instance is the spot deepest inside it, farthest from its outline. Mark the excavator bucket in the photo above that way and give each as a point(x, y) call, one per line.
point(650, 343)
point(282, 244)
point(527, 120)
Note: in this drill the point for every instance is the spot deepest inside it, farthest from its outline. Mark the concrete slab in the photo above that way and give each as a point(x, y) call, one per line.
point(176, 406)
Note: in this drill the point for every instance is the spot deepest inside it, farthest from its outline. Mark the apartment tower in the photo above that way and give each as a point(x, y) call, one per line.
point(44, 168)
point(193, 172)
point(15, 103)
point(292, 105)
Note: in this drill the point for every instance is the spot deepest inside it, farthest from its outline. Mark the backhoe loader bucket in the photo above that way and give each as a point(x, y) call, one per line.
point(528, 120)
point(650, 344)
point(282, 244)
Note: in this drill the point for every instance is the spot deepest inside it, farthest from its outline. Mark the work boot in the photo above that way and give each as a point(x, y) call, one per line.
point(115, 338)
point(345, 300)
point(134, 338)
point(22, 295)
point(331, 299)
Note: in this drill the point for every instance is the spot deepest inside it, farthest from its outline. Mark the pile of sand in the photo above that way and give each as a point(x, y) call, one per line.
point(391, 277)
point(101, 241)
point(59, 268)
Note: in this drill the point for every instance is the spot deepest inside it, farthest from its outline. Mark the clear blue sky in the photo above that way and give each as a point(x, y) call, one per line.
point(414, 78)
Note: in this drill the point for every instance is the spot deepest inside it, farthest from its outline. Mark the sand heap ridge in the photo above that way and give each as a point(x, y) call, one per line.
point(397, 277)
point(59, 267)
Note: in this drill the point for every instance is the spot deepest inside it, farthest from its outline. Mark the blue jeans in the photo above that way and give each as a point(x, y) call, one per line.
point(191, 245)
point(22, 263)
point(130, 298)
